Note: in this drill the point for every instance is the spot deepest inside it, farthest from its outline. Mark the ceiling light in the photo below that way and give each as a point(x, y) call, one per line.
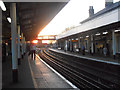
point(117, 30)
point(2, 5)
point(97, 34)
point(9, 19)
point(105, 32)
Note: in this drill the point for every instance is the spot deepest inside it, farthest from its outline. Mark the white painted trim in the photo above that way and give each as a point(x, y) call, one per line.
point(34, 81)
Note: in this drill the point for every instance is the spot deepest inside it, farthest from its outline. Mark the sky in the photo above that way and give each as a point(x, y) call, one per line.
point(71, 15)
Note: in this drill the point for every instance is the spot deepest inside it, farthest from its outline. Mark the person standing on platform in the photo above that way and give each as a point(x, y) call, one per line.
point(83, 50)
point(90, 51)
point(105, 51)
point(65, 48)
point(34, 51)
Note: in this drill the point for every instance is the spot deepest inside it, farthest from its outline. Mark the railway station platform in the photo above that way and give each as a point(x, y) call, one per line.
point(24, 74)
point(33, 74)
point(88, 56)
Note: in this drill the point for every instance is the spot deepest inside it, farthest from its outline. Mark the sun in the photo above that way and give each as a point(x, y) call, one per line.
point(35, 41)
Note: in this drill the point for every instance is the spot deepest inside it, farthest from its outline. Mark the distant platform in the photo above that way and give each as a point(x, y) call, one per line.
point(89, 57)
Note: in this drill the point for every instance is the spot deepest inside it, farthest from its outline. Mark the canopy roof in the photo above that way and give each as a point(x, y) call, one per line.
point(31, 16)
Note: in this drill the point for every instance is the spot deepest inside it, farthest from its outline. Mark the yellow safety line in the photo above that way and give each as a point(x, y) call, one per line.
point(34, 81)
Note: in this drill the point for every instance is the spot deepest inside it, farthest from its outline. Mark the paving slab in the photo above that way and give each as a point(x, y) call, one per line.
point(24, 74)
point(44, 77)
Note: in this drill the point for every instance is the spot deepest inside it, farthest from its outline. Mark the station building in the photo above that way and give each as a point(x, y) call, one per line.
point(100, 30)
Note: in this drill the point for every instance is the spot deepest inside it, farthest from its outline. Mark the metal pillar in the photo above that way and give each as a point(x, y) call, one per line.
point(1, 48)
point(89, 42)
point(19, 54)
point(22, 45)
point(25, 47)
point(57, 44)
point(14, 42)
point(92, 45)
point(114, 43)
point(70, 45)
point(79, 46)
point(66, 46)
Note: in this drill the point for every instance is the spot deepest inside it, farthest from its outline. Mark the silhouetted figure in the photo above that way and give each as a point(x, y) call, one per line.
point(90, 51)
point(83, 50)
point(32, 51)
point(105, 51)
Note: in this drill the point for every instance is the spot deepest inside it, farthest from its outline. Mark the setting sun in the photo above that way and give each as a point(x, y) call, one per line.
point(35, 41)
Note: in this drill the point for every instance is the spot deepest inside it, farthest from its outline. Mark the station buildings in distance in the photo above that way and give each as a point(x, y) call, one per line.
point(100, 30)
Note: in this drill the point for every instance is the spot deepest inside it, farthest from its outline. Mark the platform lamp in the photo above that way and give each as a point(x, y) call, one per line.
point(2, 5)
point(9, 19)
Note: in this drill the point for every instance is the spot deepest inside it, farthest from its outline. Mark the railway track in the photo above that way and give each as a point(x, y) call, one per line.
point(81, 75)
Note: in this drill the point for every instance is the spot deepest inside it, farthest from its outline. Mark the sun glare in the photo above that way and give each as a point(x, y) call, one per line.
point(35, 41)
point(71, 15)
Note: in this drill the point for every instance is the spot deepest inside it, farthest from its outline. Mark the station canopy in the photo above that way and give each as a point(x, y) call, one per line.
point(31, 16)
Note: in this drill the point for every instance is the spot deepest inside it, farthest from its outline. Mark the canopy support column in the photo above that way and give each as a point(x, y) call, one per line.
point(14, 42)
point(114, 44)
point(22, 45)
point(92, 45)
point(19, 54)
